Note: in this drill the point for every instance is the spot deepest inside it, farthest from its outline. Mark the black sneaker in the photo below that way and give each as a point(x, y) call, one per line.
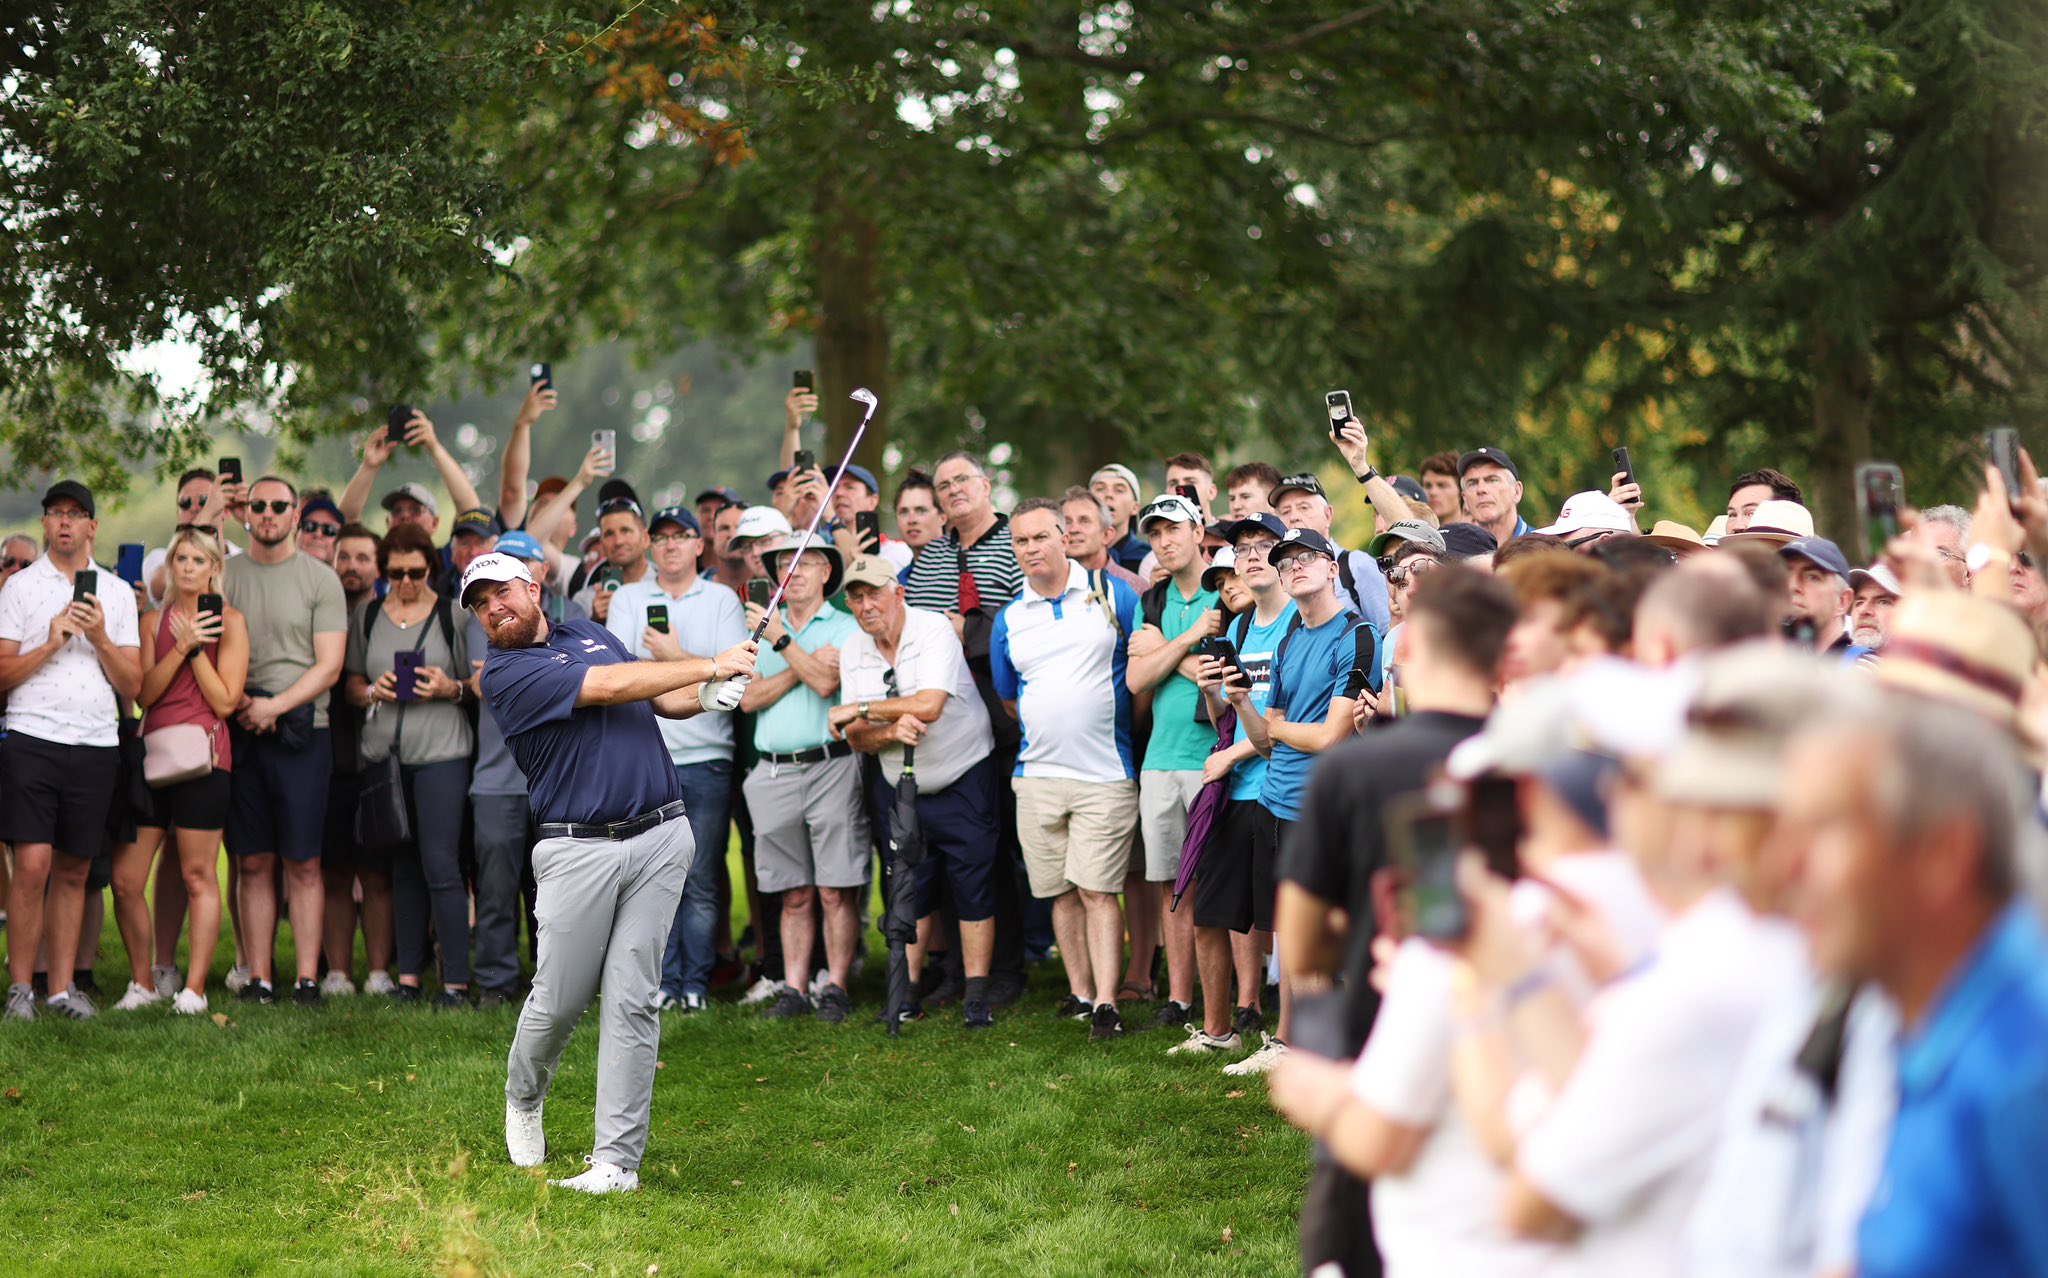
point(975, 1015)
point(1105, 1022)
point(405, 995)
point(87, 984)
point(948, 990)
point(905, 1013)
point(258, 992)
point(306, 994)
point(1172, 1015)
point(1004, 989)
point(1075, 1008)
point(788, 1005)
point(833, 1005)
point(451, 1001)
point(495, 998)
point(1247, 1021)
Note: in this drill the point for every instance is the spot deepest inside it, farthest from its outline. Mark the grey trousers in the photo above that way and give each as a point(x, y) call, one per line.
point(604, 909)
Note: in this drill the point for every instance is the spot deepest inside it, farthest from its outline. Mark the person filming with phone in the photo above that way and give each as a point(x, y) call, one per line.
point(70, 658)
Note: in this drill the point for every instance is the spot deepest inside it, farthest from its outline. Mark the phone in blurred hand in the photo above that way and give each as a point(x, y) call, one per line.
point(657, 618)
point(759, 591)
point(608, 440)
point(1624, 467)
point(406, 663)
point(1422, 843)
point(230, 469)
point(805, 459)
point(128, 566)
point(1217, 648)
point(867, 530)
point(212, 606)
point(1338, 403)
point(803, 380)
point(538, 373)
point(395, 423)
point(85, 585)
point(2003, 443)
point(1880, 490)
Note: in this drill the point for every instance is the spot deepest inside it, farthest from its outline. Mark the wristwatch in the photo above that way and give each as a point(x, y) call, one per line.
point(863, 709)
point(1371, 473)
point(781, 643)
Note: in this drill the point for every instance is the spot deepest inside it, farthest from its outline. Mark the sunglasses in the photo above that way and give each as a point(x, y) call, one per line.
point(10, 563)
point(321, 530)
point(191, 503)
point(406, 574)
point(211, 530)
point(272, 507)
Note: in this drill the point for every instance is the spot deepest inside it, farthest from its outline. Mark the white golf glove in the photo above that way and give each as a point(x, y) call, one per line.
point(721, 696)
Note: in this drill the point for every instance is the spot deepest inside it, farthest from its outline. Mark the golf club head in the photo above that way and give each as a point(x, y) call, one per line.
point(863, 395)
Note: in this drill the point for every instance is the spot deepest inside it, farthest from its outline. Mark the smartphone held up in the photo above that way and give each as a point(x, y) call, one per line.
point(1880, 491)
point(1338, 404)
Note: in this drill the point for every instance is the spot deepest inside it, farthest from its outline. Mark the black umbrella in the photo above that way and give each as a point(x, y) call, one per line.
point(899, 920)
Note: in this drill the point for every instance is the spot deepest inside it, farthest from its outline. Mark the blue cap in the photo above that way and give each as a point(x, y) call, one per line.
point(729, 496)
point(1300, 539)
point(312, 504)
point(520, 544)
point(1817, 550)
point(677, 515)
point(477, 523)
point(864, 475)
point(1231, 531)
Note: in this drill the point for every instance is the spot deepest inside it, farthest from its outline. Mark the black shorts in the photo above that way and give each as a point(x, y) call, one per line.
point(279, 802)
point(1235, 883)
point(198, 804)
point(57, 794)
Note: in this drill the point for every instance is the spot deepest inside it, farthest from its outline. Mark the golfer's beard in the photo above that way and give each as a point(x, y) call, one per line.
point(516, 633)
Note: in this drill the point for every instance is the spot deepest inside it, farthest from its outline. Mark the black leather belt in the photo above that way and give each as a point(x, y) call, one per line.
point(834, 750)
point(614, 830)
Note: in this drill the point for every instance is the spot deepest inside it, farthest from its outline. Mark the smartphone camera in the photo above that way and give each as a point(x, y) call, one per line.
point(803, 380)
point(1880, 488)
point(538, 373)
point(1339, 405)
point(395, 423)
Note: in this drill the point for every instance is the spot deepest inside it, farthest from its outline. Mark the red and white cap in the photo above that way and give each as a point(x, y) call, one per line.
point(492, 567)
point(1589, 512)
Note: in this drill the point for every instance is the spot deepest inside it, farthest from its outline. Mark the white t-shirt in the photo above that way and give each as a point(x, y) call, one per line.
point(928, 655)
point(1793, 1173)
point(1624, 1147)
point(155, 560)
point(68, 700)
point(1442, 1215)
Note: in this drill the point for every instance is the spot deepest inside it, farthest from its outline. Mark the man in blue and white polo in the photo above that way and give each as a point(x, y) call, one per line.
point(1057, 657)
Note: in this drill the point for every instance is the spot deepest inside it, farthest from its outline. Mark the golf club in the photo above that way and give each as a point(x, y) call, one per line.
point(860, 395)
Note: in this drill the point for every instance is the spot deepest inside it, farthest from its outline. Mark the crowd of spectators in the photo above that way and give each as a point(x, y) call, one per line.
point(1604, 899)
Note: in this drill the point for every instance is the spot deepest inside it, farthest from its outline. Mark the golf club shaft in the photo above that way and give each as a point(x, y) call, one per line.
point(824, 504)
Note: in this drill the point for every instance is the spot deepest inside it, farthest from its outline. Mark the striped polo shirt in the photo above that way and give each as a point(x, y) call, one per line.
point(934, 580)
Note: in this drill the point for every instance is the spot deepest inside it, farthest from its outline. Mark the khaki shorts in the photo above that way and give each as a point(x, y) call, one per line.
point(1075, 833)
point(1163, 802)
point(810, 826)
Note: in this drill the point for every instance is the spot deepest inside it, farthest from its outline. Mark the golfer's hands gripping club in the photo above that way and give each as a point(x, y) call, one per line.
point(731, 672)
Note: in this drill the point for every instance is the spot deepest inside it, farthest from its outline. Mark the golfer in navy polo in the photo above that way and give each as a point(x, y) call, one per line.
point(578, 711)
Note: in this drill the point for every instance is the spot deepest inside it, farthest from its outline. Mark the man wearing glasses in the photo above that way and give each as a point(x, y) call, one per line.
point(202, 503)
point(298, 624)
point(1492, 489)
point(319, 526)
point(66, 668)
point(1404, 552)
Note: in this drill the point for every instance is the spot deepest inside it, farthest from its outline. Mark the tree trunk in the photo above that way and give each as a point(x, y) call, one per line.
point(1842, 397)
point(853, 331)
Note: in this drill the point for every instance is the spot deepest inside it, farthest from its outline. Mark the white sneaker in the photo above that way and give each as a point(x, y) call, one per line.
point(188, 1003)
point(1259, 1062)
point(1200, 1042)
point(666, 1001)
point(760, 992)
point(238, 976)
point(818, 984)
point(166, 980)
point(524, 1139)
point(379, 982)
point(137, 997)
point(602, 1178)
point(337, 985)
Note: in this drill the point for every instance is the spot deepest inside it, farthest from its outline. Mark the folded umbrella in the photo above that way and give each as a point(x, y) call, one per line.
point(899, 918)
point(1202, 812)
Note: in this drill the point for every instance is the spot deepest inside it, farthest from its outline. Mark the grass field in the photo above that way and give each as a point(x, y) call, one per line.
point(366, 1139)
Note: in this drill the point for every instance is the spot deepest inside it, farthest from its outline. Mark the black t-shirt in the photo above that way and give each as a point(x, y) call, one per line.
point(1340, 838)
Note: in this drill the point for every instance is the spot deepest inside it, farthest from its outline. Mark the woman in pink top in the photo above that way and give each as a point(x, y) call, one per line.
point(193, 667)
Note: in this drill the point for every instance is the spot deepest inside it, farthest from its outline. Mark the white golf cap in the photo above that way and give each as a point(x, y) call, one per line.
point(761, 521)
point(493, 567)
point(1589, 512)
point(1879, 576)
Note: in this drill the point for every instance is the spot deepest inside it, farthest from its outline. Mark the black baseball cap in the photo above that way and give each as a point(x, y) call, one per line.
point(477, 523)
point(1410, 489)
point(1236, 528)
point(615, 489)
point(1302, 483)
point(1465, 541)
point(727, 495)
point(75, 491)
point(1300, 539)
point(1489, 457)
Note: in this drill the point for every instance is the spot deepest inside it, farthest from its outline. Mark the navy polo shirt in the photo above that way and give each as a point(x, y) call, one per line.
point(590, 765)
point(1961, 1188)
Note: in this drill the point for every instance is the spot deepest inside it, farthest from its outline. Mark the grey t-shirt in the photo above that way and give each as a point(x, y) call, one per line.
point(284, 606)
point(435, 731)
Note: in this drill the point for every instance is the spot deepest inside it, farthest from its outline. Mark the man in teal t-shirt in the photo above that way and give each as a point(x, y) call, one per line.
point(1161, 659)
point(810, 825)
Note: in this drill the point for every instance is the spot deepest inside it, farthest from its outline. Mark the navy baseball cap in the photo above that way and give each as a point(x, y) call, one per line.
point(76, 492)
point(680, 516)
point(1467, 541)
point(1410, 489)
point(727, 495)
point(1819, 551)
point(1231, 531)
point(313, 504)
point(1299, 540)
point(477, 523)
point(1487, 457)
point(855, 470)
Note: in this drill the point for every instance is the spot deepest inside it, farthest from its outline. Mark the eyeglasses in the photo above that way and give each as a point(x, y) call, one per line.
point(1409, 568)
point(954, 485)
point(1254, 549)
point(320, 529)
point(272, 507)
point(406, 574)
point(620, 505)
point(671, 539)
point(66, 516)
point(191, 503)
point(10, 563)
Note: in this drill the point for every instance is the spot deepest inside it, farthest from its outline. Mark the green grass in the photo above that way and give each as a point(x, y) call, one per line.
point(366, 1139)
